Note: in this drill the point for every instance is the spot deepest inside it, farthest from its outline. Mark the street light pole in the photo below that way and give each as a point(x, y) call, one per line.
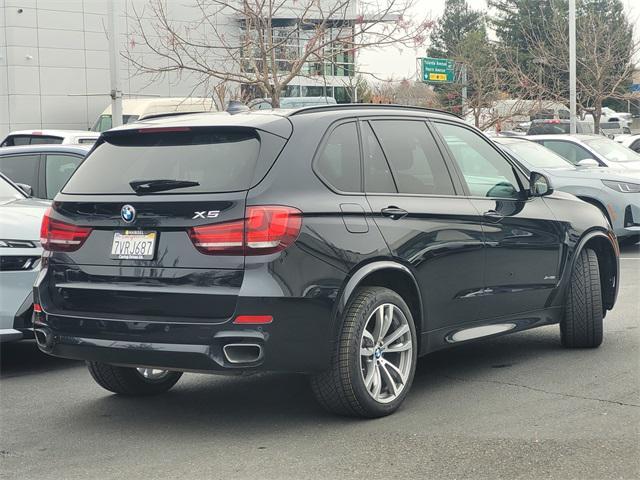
point(572, 65)
point(114, 62)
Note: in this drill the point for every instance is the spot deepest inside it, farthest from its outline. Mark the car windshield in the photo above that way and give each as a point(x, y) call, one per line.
point(8, 191)
point(535, 155)
point(612, 150)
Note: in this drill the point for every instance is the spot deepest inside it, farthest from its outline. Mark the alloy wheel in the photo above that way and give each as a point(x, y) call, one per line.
point(386, 353)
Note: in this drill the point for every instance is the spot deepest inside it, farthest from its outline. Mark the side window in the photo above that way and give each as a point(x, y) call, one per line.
point(339, 160)
point(58, 169)
point(413, 156)
point(572, 152)
point(377, 174)
point(486, 172)
point(21, 168)
point(41, 139)
point(635, 146)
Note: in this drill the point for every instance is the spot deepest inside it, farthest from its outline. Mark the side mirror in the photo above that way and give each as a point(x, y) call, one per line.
point(539, 185)
point(588, 162)
point(25, 188)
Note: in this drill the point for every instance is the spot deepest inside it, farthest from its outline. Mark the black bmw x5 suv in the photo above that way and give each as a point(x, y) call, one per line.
point(339, 241)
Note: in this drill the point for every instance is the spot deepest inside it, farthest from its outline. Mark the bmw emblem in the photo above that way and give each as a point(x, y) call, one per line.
point(128, 213)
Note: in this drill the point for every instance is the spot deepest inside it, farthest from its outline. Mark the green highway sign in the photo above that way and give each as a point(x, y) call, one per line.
point(438, 70)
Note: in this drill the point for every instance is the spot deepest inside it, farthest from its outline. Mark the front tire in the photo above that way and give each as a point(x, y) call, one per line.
point(581, 326)
point(374, 359)
point(132, 381)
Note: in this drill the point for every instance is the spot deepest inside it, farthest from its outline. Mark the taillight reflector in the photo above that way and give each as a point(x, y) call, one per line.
point(253, 319)
point(37, 308)
point(61, 236)
point(266, 229)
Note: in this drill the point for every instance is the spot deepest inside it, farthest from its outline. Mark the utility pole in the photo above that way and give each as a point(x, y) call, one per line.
point(572, 66)
point(463, 74)
point(114, 62)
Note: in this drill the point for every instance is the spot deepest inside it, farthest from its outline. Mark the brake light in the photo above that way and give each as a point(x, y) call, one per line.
point(61, 236)
point(265, 229)
point(164, 129)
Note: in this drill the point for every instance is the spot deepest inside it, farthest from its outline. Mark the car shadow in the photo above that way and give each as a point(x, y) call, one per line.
point(24, 358)
point(261, 402)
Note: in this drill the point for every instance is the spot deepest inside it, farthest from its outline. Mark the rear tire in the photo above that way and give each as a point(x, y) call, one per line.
point(581, 326)
point(130, 381)
point(374, 357)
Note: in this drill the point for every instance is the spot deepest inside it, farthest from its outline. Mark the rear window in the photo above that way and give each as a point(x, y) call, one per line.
point(17, 140)
point(548, 128)
point(220, 160)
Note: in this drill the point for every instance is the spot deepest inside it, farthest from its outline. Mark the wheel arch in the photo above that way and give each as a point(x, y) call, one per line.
point(607, 250)
point(389, 274)
point(598, 204)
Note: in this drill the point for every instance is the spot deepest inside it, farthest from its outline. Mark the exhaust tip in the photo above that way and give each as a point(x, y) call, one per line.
point(44, 338)
point(238, 353)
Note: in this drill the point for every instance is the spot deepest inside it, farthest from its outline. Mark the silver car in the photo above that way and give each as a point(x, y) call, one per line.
point(615, 192)
point(587, 150)
point(20, 219)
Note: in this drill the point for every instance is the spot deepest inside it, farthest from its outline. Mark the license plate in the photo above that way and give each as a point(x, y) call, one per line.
point(133, 245)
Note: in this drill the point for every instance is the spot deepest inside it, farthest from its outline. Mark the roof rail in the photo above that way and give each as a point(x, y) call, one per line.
point(345, 106)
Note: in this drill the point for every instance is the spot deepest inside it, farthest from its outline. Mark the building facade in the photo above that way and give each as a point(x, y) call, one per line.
point(54, 61)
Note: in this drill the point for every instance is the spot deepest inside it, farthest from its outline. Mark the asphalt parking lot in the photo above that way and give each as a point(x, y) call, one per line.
point(515, 407)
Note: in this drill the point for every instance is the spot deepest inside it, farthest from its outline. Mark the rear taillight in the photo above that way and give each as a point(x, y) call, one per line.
point(60, 236)
point(266, 229)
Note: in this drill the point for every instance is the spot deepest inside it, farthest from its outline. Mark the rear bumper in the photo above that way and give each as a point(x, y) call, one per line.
point(296, 341)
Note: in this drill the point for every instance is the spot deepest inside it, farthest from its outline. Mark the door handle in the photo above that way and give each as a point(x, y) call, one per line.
point(493, 215)
point(394, 213)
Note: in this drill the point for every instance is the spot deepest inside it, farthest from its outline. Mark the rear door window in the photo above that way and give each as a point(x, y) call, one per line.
point(414, 157)
point(218, 159)
point(21, 168)
point(339, 160)
point(58, 169)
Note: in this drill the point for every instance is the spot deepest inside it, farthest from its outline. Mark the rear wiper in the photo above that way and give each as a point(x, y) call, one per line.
point(160, 185)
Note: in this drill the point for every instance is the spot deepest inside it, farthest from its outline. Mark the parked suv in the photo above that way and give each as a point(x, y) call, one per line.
point(339, 241)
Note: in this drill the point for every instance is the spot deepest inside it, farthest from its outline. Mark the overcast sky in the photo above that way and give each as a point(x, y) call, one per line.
point(401, 63)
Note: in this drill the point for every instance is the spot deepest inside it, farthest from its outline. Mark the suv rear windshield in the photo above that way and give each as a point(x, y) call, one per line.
point(220, 160)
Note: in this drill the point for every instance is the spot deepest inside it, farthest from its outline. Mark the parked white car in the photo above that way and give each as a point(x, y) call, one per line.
point(20, 251)
point(629, 141)
point(610, 115)
point(38, 137)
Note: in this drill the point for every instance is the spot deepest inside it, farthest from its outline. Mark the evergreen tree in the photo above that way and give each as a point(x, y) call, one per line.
point(454, 24)
point(534, 35)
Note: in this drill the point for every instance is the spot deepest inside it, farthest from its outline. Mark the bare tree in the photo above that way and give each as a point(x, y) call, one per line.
point(605, 49)
point(488, 101)
point(404, 92)
point(265, 44)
